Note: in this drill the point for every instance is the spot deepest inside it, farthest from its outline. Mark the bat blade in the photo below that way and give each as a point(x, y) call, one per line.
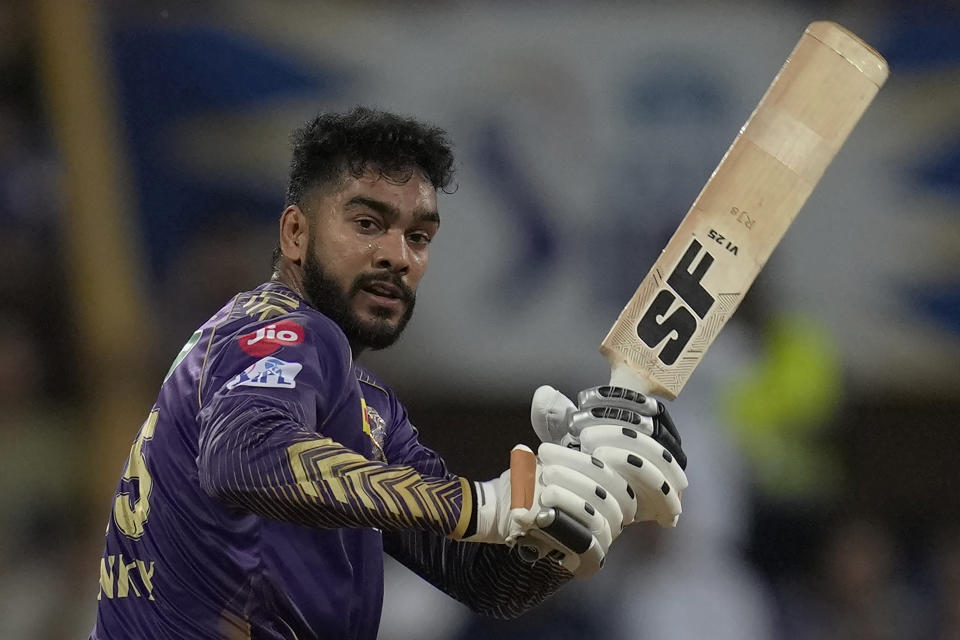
point(743, 210)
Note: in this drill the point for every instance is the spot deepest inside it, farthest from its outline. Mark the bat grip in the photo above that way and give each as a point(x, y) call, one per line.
point(523, 477)
point(553, 522)
point(624, 376)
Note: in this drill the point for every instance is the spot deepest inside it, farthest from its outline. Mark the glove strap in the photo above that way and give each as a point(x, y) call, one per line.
point(483, 521)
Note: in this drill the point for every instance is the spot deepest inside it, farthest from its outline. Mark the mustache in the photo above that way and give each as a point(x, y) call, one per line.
point(406, 293)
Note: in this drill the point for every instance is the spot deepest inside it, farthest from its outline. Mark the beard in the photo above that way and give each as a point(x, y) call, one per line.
point(326, 297)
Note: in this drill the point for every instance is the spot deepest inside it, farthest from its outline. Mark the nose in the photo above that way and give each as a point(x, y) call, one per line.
point(392, 253)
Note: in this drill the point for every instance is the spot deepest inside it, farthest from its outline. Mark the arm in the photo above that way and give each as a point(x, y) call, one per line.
point(256, 455)
point(490, 579)
point(260, 449)
point(493, 580)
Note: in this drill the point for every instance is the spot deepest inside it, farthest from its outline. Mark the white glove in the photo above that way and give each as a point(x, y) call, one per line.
point(585, 488)
point(631, 433)
point(577, 509)
point(497, 521)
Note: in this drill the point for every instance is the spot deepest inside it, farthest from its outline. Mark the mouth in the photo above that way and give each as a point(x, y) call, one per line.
point(382, 289)
point(385, 294)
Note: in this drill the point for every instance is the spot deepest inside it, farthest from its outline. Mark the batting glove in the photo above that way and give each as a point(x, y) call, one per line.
point(575, 508)
point(631, 433)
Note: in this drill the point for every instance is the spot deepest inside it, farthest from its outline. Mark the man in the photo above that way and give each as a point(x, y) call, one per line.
point(273, 471)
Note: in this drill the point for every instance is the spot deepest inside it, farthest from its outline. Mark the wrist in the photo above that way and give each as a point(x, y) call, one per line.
point(480, 525)
point(467, 522)
point(486, 508)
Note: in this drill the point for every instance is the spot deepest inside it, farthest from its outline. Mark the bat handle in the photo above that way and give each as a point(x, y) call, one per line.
point(624, 376)
point(621, 375)
point(555, 523)
point(523, 477)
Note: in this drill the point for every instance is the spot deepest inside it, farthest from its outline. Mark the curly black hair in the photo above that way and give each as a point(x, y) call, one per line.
point(361, 139)
point(332, 145)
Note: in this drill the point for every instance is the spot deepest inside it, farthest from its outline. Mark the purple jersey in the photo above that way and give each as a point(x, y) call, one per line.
point(263, 485)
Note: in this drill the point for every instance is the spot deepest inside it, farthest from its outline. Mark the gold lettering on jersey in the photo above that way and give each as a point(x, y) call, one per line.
point(124, 585)
point(106, 577)
point(269, 304)
point(146, 575)
point(124, 578)
point(131, 519)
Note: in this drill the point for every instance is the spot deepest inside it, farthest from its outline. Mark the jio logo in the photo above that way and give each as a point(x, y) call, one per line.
point(271, 338)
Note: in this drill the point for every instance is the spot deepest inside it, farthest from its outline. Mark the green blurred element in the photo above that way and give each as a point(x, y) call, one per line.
point(780, 408)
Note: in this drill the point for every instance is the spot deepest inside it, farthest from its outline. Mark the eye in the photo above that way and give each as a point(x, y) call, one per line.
point(420, 238)
point(367, 224)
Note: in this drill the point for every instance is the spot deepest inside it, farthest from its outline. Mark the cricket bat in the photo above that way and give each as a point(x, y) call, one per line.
point(743, 211)
point(741, 214)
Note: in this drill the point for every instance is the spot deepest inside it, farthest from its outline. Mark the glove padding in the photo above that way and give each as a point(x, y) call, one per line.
point(593, 502)
point(588, 490)
point(631, 433)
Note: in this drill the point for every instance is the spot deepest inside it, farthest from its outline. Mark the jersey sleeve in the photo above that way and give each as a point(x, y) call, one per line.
point(403, 445)
point(491, 579)
point(262, 448)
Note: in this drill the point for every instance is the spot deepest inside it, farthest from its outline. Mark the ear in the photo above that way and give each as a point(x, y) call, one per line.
point(294, 234)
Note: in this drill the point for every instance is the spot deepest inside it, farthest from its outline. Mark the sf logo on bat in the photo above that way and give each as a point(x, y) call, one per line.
point(684, 282)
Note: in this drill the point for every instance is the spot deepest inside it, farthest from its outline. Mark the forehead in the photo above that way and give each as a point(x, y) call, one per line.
point(406, 192)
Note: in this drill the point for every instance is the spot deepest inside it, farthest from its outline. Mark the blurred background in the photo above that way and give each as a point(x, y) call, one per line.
point(143, 155)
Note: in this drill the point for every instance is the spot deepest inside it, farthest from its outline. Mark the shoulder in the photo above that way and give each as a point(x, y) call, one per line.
point(270, 328)
point(271, 317)
point(383, 405)
point(373, 385)
point(391, 428)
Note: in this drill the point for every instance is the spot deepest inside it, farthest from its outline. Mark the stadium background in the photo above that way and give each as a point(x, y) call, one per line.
point(143, 152)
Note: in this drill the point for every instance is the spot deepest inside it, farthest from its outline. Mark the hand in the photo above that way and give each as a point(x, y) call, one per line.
point(575, 507)
point(630, 432)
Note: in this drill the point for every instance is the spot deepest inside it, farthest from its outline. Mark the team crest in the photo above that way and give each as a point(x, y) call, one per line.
point(376, 428)
point(268, 372)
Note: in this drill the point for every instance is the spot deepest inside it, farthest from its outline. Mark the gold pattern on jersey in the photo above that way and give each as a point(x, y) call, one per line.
point(270, 304)
point(327, 471)
point(466, 511)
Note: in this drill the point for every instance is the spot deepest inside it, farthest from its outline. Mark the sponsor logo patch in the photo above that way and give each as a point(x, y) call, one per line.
point(271, 338)
point(268, 372)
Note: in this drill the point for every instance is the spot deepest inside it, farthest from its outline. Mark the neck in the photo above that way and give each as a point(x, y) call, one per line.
point(290, 274)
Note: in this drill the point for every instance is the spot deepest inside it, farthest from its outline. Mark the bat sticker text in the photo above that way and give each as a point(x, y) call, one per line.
point(685, 283)
point(721, 240)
